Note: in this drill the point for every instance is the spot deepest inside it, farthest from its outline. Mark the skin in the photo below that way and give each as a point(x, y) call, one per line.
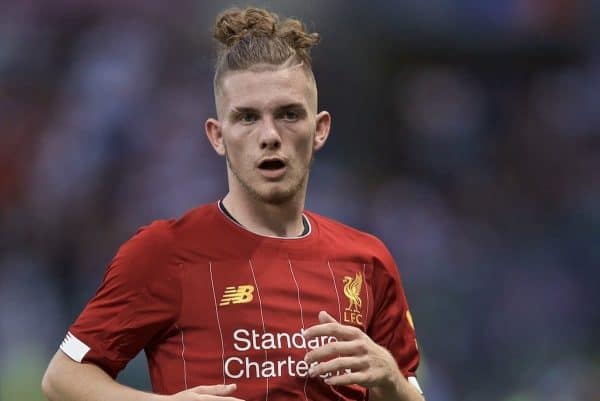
point(93, 384)
point(274, 207)
point(371, 365)
point(269, 111)
point(266, 112)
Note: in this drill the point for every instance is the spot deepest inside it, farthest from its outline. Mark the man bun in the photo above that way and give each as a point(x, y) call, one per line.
point(234, 24)
point(257, 36)
point(294, 32)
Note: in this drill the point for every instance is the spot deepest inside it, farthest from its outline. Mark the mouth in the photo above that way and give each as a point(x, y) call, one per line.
point(271, 164)
point(272, 168)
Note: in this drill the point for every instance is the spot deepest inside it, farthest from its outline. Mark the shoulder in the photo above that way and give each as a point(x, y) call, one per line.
point(343, 236)
point(154, 239)
point(162, 236)
point(155, 248)
point(144, 256)
point(348, 243)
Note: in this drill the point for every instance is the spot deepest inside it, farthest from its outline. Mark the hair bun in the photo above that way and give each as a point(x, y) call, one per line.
point(254, 36)
point(294, 32)
point(234, 24)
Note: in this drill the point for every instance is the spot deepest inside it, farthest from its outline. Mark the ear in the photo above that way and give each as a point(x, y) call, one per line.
point(322, 130)
point(215, 137)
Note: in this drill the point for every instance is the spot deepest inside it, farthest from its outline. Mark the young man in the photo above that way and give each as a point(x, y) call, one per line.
point(250, 298)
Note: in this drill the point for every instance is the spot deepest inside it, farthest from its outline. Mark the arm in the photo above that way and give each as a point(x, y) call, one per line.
point(133, 304)
point(398, 389)
point(67, 380)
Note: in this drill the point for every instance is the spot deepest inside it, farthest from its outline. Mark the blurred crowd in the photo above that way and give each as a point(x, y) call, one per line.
point(465, 134)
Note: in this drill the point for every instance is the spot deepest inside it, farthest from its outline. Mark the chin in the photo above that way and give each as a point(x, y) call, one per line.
point(277, 196)
point(272, 193)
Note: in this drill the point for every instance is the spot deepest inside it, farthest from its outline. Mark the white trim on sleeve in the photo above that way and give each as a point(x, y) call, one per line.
point(413, 380)
point(74, 347)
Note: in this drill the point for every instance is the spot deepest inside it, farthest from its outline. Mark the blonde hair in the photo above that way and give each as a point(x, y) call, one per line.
point(255, 36)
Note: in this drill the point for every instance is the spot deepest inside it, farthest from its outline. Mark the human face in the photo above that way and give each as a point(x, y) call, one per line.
point(268, 130)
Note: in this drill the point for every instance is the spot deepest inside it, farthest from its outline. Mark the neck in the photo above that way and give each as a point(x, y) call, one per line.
point(280, 220)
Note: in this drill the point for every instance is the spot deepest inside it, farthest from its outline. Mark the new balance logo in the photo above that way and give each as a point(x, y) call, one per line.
point(237, 295)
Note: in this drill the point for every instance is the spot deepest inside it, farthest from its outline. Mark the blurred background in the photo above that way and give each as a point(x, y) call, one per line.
point(466, 134)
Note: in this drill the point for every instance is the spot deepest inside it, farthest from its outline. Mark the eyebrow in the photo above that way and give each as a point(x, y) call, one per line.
point(291, 106)
point(237, 111)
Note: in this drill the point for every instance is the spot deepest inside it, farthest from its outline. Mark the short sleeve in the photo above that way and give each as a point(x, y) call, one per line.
point(392, 325)
point(138, 301)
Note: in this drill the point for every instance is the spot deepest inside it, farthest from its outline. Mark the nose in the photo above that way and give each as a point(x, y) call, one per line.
point(269, 136)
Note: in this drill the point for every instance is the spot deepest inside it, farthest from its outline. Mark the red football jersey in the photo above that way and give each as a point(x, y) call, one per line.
point(211, 302)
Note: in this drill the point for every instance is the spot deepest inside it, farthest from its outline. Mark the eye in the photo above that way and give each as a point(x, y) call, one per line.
point(248, 118)
point(291, 115)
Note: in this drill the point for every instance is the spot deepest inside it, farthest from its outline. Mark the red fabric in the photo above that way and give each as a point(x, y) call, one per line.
point(159, 294)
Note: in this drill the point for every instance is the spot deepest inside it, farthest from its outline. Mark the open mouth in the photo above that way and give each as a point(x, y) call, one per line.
point(273, 164)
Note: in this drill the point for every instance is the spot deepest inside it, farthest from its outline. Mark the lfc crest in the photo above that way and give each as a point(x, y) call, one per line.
point(352, 288)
